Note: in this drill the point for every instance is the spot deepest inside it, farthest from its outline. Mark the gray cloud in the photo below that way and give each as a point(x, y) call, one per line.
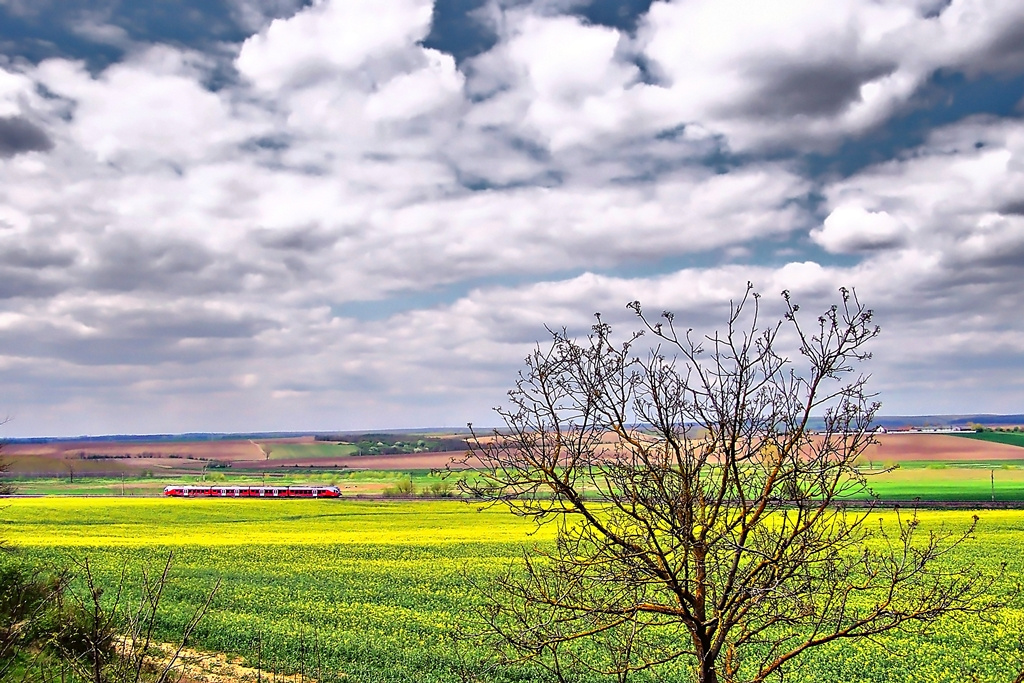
point(255, 14)
point(19, 135)
point(17, 282)
point(115, 350)
point(811, 88)
point(309, 239)
point(35, 256)
point(1005, 53)
point(181, 324)
point(1013, 208)
point(131, 262)
point(137, 336)
point(999, 259)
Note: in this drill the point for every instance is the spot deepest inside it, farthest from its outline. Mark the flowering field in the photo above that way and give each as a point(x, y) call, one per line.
point(375, 589)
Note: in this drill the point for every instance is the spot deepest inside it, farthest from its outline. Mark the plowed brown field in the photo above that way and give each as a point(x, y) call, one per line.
point(945, 447)
point(209, 450)
point(116, 457)
point(416, 461)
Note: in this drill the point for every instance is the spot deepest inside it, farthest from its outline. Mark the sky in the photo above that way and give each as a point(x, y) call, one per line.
point(255, 215)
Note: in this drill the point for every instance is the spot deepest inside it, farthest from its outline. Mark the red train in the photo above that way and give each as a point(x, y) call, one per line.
point(252, 491)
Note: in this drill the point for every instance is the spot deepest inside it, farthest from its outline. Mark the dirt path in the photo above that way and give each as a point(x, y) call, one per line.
point(196, 666)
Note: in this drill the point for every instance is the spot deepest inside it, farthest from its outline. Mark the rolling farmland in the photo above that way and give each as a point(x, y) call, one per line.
point(177, 457)
point(377, 588)
point(926, 466)
point(919, 447)
point(1001, 437)
point(374, 590)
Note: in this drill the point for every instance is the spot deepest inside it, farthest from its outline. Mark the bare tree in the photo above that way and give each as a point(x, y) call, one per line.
point(109, 640)
point(7, 487)
point(701, 524)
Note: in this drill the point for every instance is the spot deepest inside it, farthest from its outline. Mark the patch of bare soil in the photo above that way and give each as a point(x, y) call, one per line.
point(208, 450)
point(903, 447)
point(400, 461)
point(112, 458)
point(196, 666)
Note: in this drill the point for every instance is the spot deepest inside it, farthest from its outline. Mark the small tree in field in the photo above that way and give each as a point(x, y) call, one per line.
point(701, 523)
point(7, 487)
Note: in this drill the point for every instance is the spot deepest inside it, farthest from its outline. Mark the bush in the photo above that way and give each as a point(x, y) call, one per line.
point(58, 626)
point(25, 596)
point(401, 488)
point(438, 489)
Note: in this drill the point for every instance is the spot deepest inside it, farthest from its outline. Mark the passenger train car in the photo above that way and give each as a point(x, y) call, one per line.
point(252, 491)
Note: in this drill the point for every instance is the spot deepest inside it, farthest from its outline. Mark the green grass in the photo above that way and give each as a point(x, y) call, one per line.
point(319, 449)
point(1009, 438)
point(382, 585)
point(940, 481)
point(352, 482)
point(926, 480)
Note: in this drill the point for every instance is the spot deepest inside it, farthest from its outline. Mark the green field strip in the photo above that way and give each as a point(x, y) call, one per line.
point(950, 464)
point(1008, 438)
point(302, 451)
point(939, 481)
point(153, 486)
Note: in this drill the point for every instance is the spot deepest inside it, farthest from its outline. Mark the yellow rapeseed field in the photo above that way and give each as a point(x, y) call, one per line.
point(374, 590)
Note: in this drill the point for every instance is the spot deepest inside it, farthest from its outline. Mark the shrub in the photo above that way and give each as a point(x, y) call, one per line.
point(438, 489)
point(401, 488)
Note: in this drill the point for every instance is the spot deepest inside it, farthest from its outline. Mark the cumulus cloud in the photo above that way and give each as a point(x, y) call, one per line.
point(794, 74)
point(957, 192)
point(333, 36)
point(151, 108)
point(804, 74)
point(165, 233)
point(852, 228)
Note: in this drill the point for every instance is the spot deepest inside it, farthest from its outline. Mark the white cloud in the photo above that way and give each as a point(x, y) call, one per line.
point(962, 194)
point(150, 108)
point(804, 73)
point(329, 37)
point(850, 228)
point(15, 90)
point(409, 95)
point(792, 74)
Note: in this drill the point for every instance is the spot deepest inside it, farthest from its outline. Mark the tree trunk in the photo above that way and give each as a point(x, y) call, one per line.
point(706, 658)
point(707, 672)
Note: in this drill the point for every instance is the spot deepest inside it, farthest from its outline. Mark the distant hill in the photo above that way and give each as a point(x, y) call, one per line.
point(887, 421)
point(938, 421)
point(988, 420)
point(193, 437)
